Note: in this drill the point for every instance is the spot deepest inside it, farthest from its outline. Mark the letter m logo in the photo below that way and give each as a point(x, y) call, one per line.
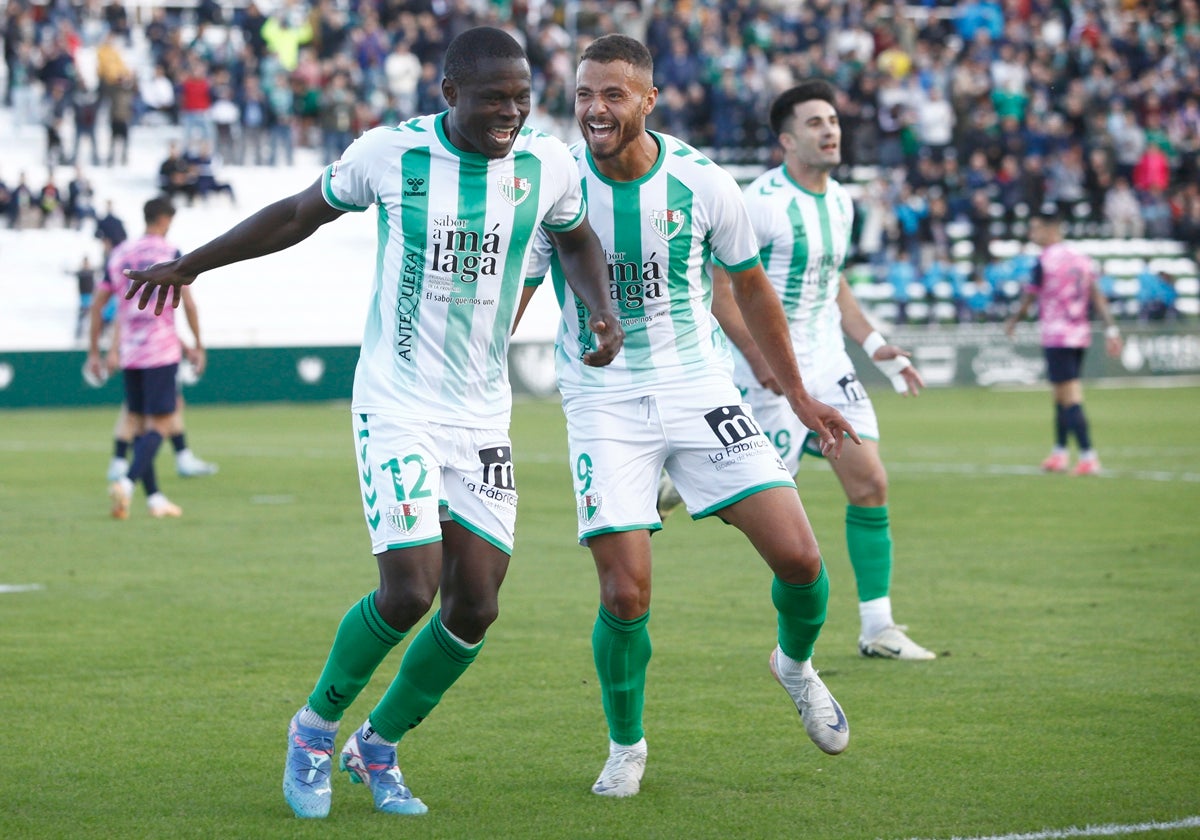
point(731, 424)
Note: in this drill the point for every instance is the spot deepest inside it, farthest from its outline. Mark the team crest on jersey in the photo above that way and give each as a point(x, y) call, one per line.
point(667, 223)
point(589, 504)
point(404, 517)
point(514, 189)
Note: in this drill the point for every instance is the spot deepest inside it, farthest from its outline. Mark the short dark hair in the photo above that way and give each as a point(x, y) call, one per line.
point(786, 102)
point(609, 48)
point(156, 208)
point(475, 45)
point(1049, 212)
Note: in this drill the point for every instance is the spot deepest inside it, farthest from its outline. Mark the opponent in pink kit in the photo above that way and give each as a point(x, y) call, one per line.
point(149, 352)
point(1064, 284)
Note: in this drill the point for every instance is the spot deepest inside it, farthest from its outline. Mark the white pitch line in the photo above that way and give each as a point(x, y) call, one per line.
point(1029, 470)
point(1109, 830)
point(20, 587)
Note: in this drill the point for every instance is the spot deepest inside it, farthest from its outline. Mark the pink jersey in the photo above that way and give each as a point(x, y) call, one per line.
point(1063, 282)
point(147, 340)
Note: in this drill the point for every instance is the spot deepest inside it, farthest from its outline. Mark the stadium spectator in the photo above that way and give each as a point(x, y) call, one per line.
point(203, 165)
point(85, 108)
point(110, 230)
point(175, 176)
point(1064, 285)
point(1123, 211)
point(157, 96)
point(195, 102)
point(440, 436)
point(85, 280)
point(120, 117)
point(81, 200)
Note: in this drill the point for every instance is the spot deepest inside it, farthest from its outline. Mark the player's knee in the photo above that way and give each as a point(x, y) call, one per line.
point(625, 597)
point(469, 619)
point(402, 606)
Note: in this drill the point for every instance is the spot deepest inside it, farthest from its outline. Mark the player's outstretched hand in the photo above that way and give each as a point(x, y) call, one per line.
point(609, 338)
point(163, 278)
point(829, 424)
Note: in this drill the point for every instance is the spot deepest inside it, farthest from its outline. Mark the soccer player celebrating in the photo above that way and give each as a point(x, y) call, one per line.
point(803, 219)
point(461, 195)
point(660, 208)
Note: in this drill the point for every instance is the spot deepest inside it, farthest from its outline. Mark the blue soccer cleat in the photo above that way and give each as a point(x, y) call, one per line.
point(375, 766)
point(307, 769)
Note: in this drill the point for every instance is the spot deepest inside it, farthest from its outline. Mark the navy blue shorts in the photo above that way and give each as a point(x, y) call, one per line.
point(1063, 364)
point(151, 390)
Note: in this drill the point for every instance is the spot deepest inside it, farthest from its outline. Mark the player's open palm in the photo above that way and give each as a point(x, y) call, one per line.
point(829, 424)
point(163, 279)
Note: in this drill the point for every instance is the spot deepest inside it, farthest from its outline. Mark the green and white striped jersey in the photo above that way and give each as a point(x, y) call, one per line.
point(455, 231)
point(658, 233)
point(804, 239)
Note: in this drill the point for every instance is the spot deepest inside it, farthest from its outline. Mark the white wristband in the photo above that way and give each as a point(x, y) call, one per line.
point(1112, 331)
point(872, 343)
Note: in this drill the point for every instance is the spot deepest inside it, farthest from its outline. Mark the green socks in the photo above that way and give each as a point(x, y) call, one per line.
point(622, 652)
point(363, 640)
point(432, 663)
point(869, 542)
point(801, 610)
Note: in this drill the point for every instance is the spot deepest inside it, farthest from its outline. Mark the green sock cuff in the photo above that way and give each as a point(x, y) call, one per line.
point(867, 515)
point(621, 625)
point(379, 628)
point(822, 579)
point(453, 648)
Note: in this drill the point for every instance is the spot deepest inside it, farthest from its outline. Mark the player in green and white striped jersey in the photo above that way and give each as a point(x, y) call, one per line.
point(662, 210)
point(803, 219)
point(460, 196)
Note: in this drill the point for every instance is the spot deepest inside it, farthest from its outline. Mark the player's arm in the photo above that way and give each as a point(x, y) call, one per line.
point(526, 296)
point(1027, 299)
point(586, 271)
point(95, 323)
point(759, 306)
point(729, 316)
point(197, 354)
point(1112, 333)
point(892, 361)
point(273, 228)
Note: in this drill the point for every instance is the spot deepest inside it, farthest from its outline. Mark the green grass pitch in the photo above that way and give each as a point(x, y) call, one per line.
point(146, 687)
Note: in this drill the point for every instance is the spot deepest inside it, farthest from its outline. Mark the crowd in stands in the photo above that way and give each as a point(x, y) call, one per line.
point(959, 118)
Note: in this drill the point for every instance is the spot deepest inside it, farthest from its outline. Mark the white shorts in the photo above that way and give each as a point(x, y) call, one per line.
point(709, 442)
point(837, 386)
point(416, 475)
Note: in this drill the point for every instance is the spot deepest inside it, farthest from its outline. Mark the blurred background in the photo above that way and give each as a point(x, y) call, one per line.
point(959, 120)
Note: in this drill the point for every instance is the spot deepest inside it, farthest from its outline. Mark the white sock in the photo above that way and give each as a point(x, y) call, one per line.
point(876, 616)
point(310, 718)
point(1087, 455)
point(789, 667)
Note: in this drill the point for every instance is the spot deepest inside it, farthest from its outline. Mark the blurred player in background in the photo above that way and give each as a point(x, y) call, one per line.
point(660, 207)
point(1065, 286)
point(149, 352)
point(187, 464)
point(803, 219)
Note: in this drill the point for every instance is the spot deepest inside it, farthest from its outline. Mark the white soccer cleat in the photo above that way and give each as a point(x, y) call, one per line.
point(120, 493)
point(893, 643)
point(622, 773)
point(189, 466)
point(161, 507)
point(668, 496)
point(823, 718)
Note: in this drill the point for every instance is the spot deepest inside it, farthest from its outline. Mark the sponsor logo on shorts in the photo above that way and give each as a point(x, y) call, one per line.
point(739, 434)
point(404, 517)
point(589, 506)
point(498, 467)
